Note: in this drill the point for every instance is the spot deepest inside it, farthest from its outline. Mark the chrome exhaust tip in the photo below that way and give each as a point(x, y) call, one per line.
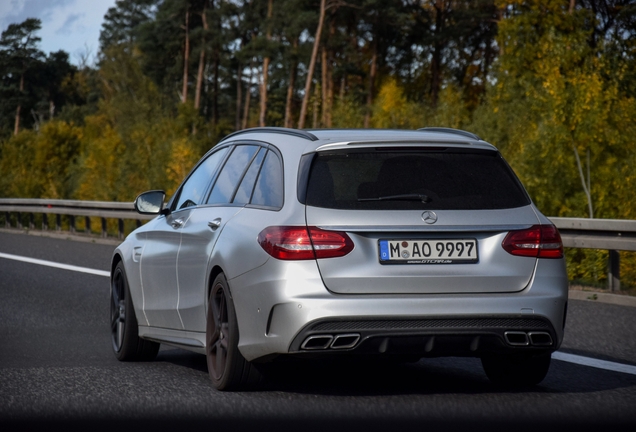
point(540, 338)
point(345, 341)
point(516, 338)
point(317, 342)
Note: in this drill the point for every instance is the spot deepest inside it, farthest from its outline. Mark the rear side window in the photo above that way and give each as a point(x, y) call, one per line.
point(244, 191)
point(231, 174)
point(268, 190)
point(446, 179)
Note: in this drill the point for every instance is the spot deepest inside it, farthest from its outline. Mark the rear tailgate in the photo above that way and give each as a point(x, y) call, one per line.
point(424, 218)
point(490, 269)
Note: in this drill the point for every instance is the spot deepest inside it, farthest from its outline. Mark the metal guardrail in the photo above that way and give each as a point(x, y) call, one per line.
point(71, 208)
point(609, 234)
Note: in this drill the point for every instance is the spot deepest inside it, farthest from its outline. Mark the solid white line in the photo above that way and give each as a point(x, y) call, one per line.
point(55, 264)
point(595, 363)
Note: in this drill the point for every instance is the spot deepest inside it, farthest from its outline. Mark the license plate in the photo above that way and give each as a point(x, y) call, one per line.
point(437, 251)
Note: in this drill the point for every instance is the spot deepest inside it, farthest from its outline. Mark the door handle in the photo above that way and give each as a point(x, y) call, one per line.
point(214, 224)
point(177, 223)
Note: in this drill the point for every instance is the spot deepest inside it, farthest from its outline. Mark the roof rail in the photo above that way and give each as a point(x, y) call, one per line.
point(286, 131)
point(451, 131)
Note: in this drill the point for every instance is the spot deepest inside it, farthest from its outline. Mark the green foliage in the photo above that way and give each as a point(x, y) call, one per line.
point(40, 164)
point(393, 111)
point(347, 113)
point(557, 96)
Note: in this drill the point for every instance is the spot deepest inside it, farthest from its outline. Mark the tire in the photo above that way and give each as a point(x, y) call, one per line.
point(515, 371)
point(127, 345)
point(227, 367)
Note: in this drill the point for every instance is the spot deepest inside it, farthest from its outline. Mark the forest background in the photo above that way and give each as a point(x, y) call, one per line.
point(552, 83)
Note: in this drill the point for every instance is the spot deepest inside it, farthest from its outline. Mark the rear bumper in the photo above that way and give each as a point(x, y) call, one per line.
point(281, 304)
point(427, 337)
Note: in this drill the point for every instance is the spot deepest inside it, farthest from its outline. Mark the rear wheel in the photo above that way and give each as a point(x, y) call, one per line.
point(127, 344)
point(227, 367)
point(517, 371)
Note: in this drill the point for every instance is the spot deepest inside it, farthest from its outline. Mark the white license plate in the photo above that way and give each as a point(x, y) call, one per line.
point(437, 251)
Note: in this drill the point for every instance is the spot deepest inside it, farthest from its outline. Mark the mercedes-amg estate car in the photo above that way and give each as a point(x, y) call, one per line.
point(359, 243)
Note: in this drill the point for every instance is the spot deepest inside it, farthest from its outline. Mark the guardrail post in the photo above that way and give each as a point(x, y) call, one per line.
point(71, 223)
point(7, 220)
point(19, 224)
point(45, 222)
point(104, 228)
point(31, 221)
point(58, 222)
point(121, 228)
point(614, 268)
point(87, 227)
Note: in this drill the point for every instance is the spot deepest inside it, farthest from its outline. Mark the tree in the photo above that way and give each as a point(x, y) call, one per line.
point(266, 59)
point(312, 65)
point(123, 21)
point(19, 53)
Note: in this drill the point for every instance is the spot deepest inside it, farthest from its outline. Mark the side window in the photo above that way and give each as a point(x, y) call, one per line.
point(193, 189)
point(244, 191)
point(269, 186)
point(231, 174)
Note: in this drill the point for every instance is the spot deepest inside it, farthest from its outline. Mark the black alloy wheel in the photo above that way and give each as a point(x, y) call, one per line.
point(118, 310)
point(227, 367)
point(218, 333)
point(124, 330)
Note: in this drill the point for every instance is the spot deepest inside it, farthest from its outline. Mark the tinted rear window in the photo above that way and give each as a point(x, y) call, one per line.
point(450, 179)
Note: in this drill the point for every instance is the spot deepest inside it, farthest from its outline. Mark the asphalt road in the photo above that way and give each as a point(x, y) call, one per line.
point(57, 370)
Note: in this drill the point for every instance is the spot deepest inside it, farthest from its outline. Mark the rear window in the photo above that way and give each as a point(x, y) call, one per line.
point(442, 179)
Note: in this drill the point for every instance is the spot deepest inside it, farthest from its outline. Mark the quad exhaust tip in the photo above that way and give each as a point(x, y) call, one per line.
point(317, 342)
point(345, 341)
point(519, 338)
point(322, 342)
point(540, 338)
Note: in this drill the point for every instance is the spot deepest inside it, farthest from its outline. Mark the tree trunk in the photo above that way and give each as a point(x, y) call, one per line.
point(312, 65)
point(215, 94)
point(323, 86)
point(586, 185)
point(290, 88)
point(314, 123)
point(268, 37)
point(239, 96)
point(329, 119)
point(330, 83)
point(186, 58)
point(437, 53)
point(372, 73)
point(572, 6)
point(248, 96)
point(16, 128)
point(197, 94)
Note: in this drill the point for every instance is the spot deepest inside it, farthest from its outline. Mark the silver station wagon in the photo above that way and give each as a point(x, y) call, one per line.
point(360, 243)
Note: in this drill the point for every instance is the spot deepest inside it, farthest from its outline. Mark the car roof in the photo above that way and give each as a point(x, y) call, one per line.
point(323, 139)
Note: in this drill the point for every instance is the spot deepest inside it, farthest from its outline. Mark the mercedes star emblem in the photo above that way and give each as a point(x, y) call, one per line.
point(429, 217)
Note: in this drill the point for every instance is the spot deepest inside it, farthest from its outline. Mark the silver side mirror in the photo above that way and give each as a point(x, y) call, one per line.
point(150, 202)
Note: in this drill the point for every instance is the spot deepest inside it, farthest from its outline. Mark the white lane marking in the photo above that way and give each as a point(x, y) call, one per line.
point(55, 264)
point(592, 362)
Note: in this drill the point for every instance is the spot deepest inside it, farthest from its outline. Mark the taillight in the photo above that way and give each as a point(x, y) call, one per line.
point(303, 243)
point(538, 241)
